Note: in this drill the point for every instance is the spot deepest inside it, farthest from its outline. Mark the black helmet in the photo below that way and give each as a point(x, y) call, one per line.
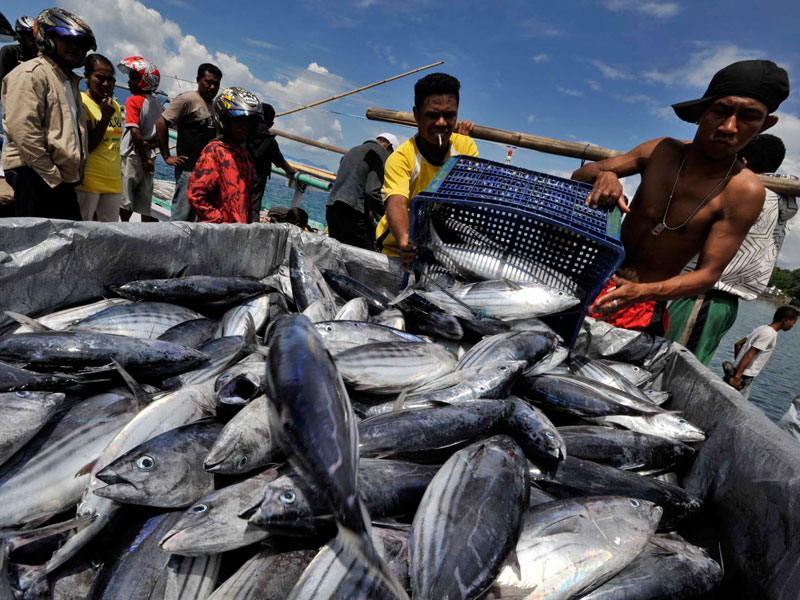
point(24, 24)
point(236, 102)
point(60, 22)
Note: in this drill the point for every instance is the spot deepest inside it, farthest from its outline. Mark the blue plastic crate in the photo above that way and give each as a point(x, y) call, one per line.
point(533, 215)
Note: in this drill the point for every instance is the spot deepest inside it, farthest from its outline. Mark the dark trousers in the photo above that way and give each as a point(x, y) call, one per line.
point(349, 226)
point(34, 198)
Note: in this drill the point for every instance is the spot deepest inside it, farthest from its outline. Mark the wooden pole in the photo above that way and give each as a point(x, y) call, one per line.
point(319, 173)
point(779, 185)
point(302, 140)
point(361, 89)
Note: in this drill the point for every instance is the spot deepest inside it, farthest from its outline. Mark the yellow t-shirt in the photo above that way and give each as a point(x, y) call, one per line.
point(407, 173)
point(103, 173)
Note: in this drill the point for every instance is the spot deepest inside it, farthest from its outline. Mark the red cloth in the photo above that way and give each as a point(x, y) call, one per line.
point(650, 316)
point(133, 108)
point(221, 184)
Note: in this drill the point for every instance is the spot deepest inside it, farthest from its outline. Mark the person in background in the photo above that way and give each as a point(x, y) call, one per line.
point(13, 54)
point(44, 120)
point(142, 111)
point(753, 352)
point(695, 198)
point(100, 192)
point(356, 193)
point(190, 113)
point(412, 166)
point(265, 152)
point(700, 322)
point(221, 185)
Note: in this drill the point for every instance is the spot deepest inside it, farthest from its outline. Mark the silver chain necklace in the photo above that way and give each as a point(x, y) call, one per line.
point(663, 225)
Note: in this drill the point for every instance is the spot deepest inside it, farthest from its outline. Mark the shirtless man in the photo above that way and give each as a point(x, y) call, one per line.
point(694, 198)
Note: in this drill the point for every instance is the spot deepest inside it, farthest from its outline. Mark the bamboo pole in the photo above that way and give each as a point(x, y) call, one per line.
point(779, 185)
point(361, 89)
point(318, 173)
point(302, 140)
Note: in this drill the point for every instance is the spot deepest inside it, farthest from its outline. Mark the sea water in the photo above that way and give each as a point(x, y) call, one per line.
point(778, 382)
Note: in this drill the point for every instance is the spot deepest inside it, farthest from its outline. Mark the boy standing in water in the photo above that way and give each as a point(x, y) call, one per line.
point(753, 352)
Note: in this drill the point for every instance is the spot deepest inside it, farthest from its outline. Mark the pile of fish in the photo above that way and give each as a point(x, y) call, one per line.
point(304, 436)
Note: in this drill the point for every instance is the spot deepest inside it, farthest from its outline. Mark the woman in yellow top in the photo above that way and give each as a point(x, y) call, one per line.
point(101, 189)
point(412, 166)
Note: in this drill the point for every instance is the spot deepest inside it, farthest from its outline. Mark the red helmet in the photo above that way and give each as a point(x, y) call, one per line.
point(149, 77)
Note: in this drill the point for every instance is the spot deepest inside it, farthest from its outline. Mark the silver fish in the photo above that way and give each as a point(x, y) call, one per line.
point(261, 309)
point(639, 376)
point(22, 415)
point(356, 309)
point(308, 284)
point(62, 319)
point(669, 567)
point(246, 443)
point(391, 367)
point(668, 425)
point(568, 546)
point(468, 520)
point(50, 473)
point(147, 320)
point(320, 310)
point(192, 578)
point(530, 346)
point(212, 524)
point(165, 471)
point(505, 299)
point(268, 575)
point(341, 335)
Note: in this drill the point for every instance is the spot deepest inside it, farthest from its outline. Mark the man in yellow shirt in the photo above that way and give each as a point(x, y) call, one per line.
point(412, 166)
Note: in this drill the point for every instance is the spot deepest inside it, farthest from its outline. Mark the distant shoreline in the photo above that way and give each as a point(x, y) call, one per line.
point(776, 300)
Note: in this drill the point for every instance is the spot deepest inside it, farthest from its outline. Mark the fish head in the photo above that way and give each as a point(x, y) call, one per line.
point(238, 390)
point(677, 427)
point(197, 525)
point(235, 452)
point(637, 514)
point(286, 500)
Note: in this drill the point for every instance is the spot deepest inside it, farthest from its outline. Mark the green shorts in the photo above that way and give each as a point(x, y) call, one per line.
point(701, 322)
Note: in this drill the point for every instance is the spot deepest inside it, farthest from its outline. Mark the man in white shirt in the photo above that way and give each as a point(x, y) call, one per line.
point(753, 352)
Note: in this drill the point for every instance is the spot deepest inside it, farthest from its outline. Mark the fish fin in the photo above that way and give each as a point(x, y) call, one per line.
point(401, 296)
point(360, 547)
point(87, 468)
point(26, 320)
point(118, 291)
point(400, 401)
point(21, 538)
point(252, 507)
point(250, 338)
point(512, 284)
point(513, 562)
point(142, 397)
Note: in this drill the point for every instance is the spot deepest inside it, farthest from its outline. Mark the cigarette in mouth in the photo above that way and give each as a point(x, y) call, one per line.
point(440, 139)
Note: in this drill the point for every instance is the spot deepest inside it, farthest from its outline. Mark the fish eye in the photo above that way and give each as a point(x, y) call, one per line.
point(560, 293)
point(23, 394)
point(242, 462)
point(504, 368)
point(549, 434)
point(635, 503)
point(682, 421)
point(636, 369)
point(225, 378)
point(328, 328)
point(287, 497)
point(146, 463)
point(198, 509)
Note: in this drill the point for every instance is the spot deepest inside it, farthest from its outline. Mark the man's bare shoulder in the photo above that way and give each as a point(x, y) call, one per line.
point(744, 195)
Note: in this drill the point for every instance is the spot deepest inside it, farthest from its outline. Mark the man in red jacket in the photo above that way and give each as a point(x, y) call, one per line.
point(221, 184)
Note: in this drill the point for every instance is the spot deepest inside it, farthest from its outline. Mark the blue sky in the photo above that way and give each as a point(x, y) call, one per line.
point(600, 71)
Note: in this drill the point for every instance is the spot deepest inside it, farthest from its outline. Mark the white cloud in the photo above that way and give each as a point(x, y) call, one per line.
point(610, 72)
point(315, 68)
point(702, 64)
point(570, 92)
point(178, 54)
point(651, 8)
point(261, 44)
point(537, 28)
point(655, 107)
point(531, 118)
point(593, 85)
point(540, 58)
point(383, 52)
